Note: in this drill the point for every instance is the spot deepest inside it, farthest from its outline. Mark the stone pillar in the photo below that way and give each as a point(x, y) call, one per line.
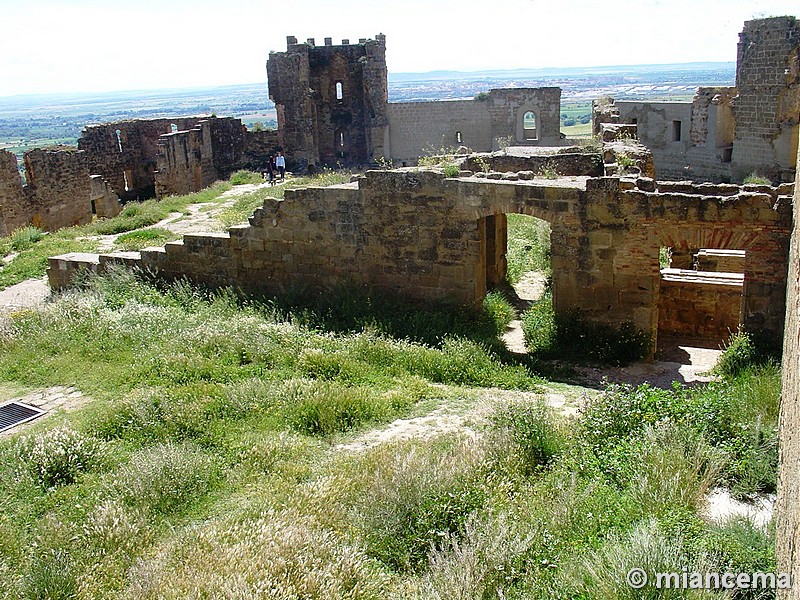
point(788, 504)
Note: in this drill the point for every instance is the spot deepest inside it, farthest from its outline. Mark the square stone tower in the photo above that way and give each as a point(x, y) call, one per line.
point(331, 100)
point(767, 107)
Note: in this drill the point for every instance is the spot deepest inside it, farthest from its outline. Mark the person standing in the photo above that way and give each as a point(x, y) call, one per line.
point(270, 174)
point(280, 164)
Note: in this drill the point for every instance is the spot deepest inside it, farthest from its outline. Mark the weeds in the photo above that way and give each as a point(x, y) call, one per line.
point(499, 310)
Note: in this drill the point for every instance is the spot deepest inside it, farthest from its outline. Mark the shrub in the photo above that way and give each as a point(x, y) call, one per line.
point(480, 564)
point(406, 498)
point(571, 337)
point(165, 478)
point(672, 467)
point(277, 555)
point(323, 408)
point(601, 574)
point(523, 436)
point(141, 238)
point(25, 237)
point(451, 170)
point(539, 328)
point(243, 177)
point(499, 310)
point(58, 456)
point(51, 577)
point(739, 353)
point(756, 179)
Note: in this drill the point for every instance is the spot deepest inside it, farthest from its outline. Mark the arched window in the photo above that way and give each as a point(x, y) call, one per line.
point(119, 140)
point(173, 128)
point(459, 139)
point(529, 126)
point(339, 90)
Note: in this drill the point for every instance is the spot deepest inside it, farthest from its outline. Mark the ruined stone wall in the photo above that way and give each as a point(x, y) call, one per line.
point(185, 161)
point(105, 201)
point(58, 188)
point(418, 234)
point(419, 128)
point(128, 160)
point(699, 307)
point(767, 108)
point(787, 507)
point(508, 107)
point(331, 99)
point(14, 209)
point(258, 146)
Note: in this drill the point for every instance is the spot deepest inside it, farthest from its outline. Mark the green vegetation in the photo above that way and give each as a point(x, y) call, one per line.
point(135, 223)
point(143, 238)
point(756, 179)
point(528, 247)
point(209, 455)
point(573, 338)
point(246, 177)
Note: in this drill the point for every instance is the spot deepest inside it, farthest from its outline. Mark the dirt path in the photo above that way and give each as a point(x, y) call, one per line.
point(26, 294)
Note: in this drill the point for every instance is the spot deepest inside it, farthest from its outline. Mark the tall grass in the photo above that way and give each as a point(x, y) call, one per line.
point(528, 247)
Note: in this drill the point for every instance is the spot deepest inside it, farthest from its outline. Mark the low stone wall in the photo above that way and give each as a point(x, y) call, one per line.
point(561, 162)
point(699, 305)
point(418, 234)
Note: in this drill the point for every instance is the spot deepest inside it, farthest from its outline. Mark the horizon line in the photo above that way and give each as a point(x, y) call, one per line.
point(439, 72)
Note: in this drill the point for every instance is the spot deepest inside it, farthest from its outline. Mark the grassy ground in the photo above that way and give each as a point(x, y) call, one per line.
point(528, 247)
point(135, 223)
point(208, 464)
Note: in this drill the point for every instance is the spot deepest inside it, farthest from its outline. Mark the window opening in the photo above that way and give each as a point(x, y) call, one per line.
point(529, 126)
point(339, 90)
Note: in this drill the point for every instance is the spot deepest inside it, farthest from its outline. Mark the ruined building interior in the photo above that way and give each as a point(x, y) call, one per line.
point(417, 233)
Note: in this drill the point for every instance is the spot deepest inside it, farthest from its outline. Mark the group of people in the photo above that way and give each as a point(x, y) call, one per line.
point(276, 168)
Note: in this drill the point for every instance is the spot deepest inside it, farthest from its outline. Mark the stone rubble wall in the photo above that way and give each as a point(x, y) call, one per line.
point(767, 108)
point(415, 233)
point(787, 506)
point(705, 309)
point(14, 209)
point(128, 161)
point(59, 189)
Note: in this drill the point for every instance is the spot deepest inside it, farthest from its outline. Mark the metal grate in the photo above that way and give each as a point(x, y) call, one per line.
point(14, 413)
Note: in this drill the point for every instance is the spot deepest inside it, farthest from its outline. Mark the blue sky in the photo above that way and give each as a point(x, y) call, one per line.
point(53, 46)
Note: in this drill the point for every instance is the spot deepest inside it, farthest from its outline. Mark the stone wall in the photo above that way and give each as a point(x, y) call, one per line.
point(58, 188)
point(124, 153)
point(14, 209)
point(698, 305)
point(331, 100)
point(787, 507)
point(419, 128)
point(185, 161)
point(258, 146)
point(105, 201)
point(767, 108)
point(418, 234)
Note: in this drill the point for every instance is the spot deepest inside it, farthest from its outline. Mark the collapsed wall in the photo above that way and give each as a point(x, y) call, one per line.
point(417, 234)
point(14, 210)
point(502, 117)
point(59, 192)
point(767, 107)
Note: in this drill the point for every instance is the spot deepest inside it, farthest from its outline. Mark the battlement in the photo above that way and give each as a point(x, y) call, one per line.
point(292, 44)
